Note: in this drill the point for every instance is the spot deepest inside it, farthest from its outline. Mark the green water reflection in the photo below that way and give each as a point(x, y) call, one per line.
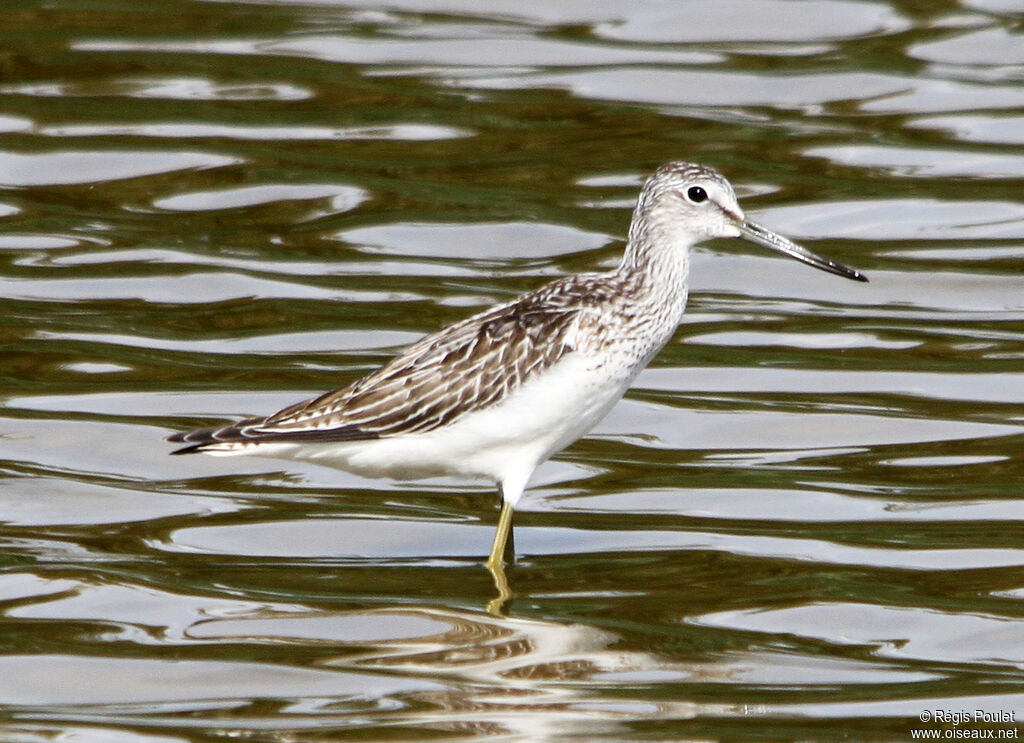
point(803, 524)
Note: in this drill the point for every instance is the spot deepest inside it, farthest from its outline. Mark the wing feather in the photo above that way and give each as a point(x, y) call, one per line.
point(465, 367)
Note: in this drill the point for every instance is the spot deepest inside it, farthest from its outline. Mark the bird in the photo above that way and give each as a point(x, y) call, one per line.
point(493, 396)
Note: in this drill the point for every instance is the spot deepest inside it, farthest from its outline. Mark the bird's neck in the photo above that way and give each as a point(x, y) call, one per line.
point(657, 263)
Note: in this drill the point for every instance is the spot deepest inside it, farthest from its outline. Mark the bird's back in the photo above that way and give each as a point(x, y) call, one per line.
point(465, 367)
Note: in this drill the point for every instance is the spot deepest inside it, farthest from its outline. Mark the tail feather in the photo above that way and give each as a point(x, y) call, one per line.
point(216, 437)
point(251, 432)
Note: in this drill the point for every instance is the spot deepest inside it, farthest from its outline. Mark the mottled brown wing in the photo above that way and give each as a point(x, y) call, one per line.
point(464, 367)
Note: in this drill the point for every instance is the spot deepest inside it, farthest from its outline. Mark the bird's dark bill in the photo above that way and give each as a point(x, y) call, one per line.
point(764, 237)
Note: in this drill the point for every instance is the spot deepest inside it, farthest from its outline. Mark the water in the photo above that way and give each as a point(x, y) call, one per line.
point(805, 523)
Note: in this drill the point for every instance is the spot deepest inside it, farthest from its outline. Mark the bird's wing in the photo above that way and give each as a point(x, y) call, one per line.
point(464, 367)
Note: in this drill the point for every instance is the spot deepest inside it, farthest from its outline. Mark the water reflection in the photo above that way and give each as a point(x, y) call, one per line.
point(805, 521)
point(500, 675)
point(66, 168)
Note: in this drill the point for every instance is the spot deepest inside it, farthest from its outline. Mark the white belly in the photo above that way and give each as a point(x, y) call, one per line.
point(503, 443)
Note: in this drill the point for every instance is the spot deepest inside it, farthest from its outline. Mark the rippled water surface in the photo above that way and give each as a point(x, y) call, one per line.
point(805, 521)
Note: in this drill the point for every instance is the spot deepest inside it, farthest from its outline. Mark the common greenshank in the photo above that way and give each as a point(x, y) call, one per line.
point(500, 392)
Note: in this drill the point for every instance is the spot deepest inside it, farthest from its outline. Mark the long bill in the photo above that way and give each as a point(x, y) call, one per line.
point(759, 235)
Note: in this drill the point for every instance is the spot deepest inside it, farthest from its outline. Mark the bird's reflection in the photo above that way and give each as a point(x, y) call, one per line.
point(488, 674)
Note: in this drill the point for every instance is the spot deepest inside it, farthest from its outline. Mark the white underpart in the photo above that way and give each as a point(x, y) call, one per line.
point(503, 443)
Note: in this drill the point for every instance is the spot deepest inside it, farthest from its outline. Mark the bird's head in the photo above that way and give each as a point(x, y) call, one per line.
point(682, 204)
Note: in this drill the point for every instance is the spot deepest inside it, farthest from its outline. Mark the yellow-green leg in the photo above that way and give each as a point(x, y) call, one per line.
point(502, 550)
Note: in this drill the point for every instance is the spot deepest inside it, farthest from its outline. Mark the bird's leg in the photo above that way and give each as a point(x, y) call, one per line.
point(509, 554)
point(503, 549)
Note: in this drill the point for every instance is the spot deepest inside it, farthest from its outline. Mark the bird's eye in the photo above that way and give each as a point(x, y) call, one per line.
point(696, 194)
